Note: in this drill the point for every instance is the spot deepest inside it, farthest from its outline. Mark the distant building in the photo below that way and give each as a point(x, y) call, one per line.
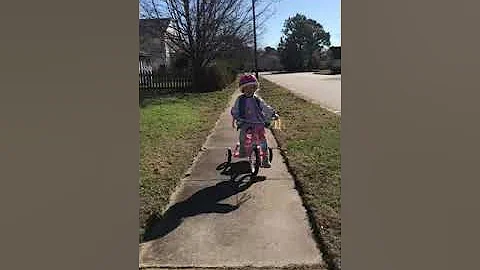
point(153, 37)
point(144, 62)
point(269, 60)
point(334, 58)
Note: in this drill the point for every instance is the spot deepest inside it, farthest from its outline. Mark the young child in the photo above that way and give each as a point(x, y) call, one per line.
point(252, 112)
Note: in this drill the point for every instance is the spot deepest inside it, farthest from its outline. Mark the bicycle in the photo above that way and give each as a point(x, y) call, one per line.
point(252, 147)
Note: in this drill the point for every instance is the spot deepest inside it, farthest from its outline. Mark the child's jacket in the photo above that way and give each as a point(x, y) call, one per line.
point(251, 110)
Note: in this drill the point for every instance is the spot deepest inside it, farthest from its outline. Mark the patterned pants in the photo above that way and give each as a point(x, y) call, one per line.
point(257, 129)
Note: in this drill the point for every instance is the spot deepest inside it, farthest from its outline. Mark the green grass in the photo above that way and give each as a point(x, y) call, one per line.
point(310, 141)
point(172, 131)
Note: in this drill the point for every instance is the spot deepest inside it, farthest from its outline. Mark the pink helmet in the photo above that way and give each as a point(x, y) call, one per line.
point(247, 79)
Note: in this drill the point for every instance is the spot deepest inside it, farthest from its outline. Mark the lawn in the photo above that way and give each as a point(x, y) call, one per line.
point(310, 141)
point(172, 131)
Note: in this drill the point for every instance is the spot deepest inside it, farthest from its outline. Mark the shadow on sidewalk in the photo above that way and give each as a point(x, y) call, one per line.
point(235, 169)
point(202, 202)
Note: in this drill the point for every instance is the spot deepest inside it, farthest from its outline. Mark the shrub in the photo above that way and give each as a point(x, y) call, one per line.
point(216, 77)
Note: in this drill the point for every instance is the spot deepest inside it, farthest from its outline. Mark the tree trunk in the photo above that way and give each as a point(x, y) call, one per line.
point(197, 75)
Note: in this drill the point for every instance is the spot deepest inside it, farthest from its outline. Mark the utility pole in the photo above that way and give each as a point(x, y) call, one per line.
point(255, 39)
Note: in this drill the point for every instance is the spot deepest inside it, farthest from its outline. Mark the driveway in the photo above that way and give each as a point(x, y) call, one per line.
point(322, 89)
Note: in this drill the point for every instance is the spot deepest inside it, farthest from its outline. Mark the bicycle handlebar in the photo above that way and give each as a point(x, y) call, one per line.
point(274, 117)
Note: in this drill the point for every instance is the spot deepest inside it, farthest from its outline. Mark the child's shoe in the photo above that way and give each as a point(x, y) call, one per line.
point(266, 163)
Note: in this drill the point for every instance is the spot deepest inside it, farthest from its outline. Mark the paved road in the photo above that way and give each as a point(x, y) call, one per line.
point(322, 89)
point(212, 223)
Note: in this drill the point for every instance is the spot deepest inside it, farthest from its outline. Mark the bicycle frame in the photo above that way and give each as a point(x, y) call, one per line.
point(252, 141)
point(252, 144)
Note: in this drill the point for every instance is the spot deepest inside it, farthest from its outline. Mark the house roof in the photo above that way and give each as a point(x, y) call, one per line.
point(156, 27)
point(151, 32)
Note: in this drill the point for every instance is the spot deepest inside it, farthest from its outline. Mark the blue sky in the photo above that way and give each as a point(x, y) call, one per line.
point(326, 12)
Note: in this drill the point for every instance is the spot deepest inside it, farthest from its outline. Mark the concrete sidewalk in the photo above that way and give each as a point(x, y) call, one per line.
point(213, 222)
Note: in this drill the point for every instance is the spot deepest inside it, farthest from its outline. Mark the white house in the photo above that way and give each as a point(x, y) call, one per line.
point(153, 45)
point(144, 63)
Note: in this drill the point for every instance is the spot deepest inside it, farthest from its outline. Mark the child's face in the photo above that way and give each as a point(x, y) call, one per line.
point(249, 90)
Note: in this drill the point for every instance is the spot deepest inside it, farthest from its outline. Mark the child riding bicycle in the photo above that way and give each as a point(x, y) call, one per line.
point(252, 114)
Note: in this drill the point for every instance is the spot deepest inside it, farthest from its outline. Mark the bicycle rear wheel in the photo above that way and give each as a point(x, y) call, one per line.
point(255, 161)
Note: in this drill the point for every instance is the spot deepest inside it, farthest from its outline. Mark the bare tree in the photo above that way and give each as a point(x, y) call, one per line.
point(203, 29)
